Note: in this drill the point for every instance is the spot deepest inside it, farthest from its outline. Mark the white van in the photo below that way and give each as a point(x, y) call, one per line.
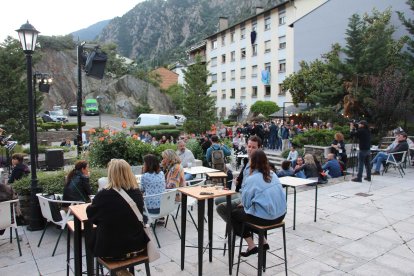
point(155, 119)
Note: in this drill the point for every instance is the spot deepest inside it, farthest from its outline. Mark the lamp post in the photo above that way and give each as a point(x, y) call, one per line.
point(99, 104)
point(28, 36)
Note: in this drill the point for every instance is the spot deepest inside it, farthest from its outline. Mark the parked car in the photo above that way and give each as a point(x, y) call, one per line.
point(54, 116)
point(180, 119)
point(73, 110)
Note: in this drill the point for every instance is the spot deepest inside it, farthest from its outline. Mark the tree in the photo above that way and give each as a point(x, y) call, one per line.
point(237, 111)
point(116, 64)
point(199, 106)
point(176, 92)
point(264, 107)
point(13, 90)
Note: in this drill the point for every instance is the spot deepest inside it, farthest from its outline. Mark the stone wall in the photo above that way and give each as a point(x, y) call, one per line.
point(47, 137)
point(320, 152)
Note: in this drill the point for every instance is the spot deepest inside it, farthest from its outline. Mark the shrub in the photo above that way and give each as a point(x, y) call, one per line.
point(165, 132)
point(59, 125)
point(322, 137)
point(194, 146)
point(54, 181)
point(72, 126)
point(139, 129)
point(42, 149)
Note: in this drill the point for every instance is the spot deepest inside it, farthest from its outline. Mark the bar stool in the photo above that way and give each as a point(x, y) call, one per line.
point(262, 232)
point(114, 266)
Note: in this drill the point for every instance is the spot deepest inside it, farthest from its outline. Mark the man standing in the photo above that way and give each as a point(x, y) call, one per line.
point(401, 146)
point(364, 138)
point(273, 135)
point(186, 157)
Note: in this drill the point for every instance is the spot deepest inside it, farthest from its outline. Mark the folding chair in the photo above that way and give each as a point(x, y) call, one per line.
point(51, 212)
point(8, 219)
point(392, 161)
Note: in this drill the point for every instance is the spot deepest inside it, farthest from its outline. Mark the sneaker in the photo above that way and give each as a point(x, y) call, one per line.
point(356, 179)
point(375, 173)
point(367, 179)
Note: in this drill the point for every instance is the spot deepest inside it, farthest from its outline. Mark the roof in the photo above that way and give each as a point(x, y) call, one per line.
point(251, 17)
point(311, 11)
point(292, 109)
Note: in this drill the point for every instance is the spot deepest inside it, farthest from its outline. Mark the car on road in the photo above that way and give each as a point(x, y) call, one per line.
point(91, 107)
point(54, 116)
point(73, 110)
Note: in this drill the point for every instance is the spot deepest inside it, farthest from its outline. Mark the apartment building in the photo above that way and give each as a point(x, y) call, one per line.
point(248, 61)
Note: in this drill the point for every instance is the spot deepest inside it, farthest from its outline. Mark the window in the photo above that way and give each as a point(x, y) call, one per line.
point(282, 42)
point(233, 93)
point(254, 71)
point(254, 50)
point(232, 37)
point(223, 112)
point(233, 74)
point(223, 40)
point(223, 76)
point(267, 90)
point(242, 33)
point(223, 58)
point(243, 73)
point(243, 93)
point(214, 92)
point(254, 92)
point(243, 53)
point(267, 23)
point(233, 56)
point(214, 78)
point(223, 94)
point(254, 26)
point(282, 65)
point(282, 17)
point(281, 90)
point(267, 66)
point(213, 62)
point(214, 44)
point(267, 46)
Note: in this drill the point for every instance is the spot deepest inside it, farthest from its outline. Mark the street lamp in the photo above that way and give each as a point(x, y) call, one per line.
point(99, 104)
point(28, 36)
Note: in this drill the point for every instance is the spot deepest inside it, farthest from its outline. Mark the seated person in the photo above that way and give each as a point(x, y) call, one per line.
point(19, 169)
point(286, 170)
point(77, 186)
point(338, 147)
point(7, 193)
point(186, 157)
point(66, 143)
point(332, 166)
point(174, 173)
point(382, 156)
point(309, 167)
point(152, 182)
point(298, 169)
point(293, 155)
point(219, 164)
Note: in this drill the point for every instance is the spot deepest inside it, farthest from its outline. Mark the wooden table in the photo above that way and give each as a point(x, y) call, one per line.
point(289, 181)
point(218, 175)
point(79, 216)
point(195, 193)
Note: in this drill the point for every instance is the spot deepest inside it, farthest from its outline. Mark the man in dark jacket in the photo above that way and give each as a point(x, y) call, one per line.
point(383, 156)
point(364, 139)
point(19, 169)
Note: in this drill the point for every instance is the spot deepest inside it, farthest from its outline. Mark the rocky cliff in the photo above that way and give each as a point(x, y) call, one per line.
point(120, 95)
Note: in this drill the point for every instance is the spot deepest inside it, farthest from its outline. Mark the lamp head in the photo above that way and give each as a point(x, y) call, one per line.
point(28, 37)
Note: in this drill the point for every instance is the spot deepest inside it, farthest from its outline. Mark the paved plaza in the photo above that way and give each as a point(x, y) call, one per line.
point(361, 229)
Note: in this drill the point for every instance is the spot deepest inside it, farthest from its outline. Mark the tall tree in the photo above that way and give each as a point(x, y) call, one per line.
point(199, 106)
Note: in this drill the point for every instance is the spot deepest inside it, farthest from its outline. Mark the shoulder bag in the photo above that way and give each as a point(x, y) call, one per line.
point(152, 250)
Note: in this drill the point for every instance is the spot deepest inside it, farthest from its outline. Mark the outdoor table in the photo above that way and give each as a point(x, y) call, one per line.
point(239, 158)
point(289, 181)
point(218, 175)
point(199, 170)
point(195, 193)
point(80, 216)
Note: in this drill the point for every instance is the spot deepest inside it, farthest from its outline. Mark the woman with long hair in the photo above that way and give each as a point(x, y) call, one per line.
point(263, 201)
point(119, 233)
point(152, 182)
point(309, 167)
point(174, 172)
point(77, 186)
point(338, 147)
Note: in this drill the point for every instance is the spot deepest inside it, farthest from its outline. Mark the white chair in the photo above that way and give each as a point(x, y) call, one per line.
point(398, 165)
point(51, 212)
point(8, 219)
point(167, 208)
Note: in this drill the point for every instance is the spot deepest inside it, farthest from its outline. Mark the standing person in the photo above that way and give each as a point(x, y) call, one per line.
point(216, 156)
point(216, 146)
point(19, 169)
point(338, 147)
point(174, 173)
point(285, 137)
point(363, 135)
point(263, 201)
point(186, 157)
point(152, 182)
point(273, 129)
point(119, 233)
point(77, 186)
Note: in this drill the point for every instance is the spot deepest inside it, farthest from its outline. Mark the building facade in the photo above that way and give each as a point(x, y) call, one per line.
point(249, 60)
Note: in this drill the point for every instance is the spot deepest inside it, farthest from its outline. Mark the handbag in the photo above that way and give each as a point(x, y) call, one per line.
point(152, 250)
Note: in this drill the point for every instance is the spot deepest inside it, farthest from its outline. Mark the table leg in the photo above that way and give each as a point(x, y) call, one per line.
point(201, 209)
point(77, 240)
point(183, 226)
point(88, 251)
point(228, 228)
point(210, 228)
point(286, 188)
point(294, 208)
point(316, 200)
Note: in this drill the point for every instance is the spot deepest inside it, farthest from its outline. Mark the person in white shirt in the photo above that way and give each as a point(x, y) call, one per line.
point(293, 155)
point(186, 157)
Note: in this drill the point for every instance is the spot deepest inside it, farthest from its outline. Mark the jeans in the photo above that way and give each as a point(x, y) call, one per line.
point(364, 157)
point(222, 205)
point(188, 176)
point(378, 159)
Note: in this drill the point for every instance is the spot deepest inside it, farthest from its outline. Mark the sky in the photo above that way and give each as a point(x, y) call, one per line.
point(57, 17)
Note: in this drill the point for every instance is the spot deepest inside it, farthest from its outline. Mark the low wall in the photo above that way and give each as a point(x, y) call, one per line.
point(47, 137)
point(320, 152)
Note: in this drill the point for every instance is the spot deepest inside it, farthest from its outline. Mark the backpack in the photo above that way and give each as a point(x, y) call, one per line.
point(218, 159)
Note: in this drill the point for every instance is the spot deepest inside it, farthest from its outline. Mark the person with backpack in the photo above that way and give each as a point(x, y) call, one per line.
point(216, 156)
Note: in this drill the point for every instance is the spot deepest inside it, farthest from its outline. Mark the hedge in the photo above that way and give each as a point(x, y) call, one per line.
point(165, 132)
point(139, 129)
point(59, 125)
point(42, 149)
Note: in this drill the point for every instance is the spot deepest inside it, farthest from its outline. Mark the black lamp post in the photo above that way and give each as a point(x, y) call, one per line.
point(28, 36)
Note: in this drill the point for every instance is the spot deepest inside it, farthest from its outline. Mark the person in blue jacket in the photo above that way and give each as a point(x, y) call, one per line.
point(263, 201)
point(216, 146)
point(332, 166)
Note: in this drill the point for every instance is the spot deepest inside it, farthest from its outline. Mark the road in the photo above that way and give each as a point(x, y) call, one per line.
point(106, 120)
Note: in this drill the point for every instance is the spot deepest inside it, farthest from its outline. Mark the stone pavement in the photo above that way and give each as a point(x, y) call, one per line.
point(361, 229)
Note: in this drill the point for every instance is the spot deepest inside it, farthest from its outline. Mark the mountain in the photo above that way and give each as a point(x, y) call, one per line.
point(91, 32)
point(157, 32)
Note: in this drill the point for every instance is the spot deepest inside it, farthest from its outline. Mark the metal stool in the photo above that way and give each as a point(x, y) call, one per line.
point(262, 232)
